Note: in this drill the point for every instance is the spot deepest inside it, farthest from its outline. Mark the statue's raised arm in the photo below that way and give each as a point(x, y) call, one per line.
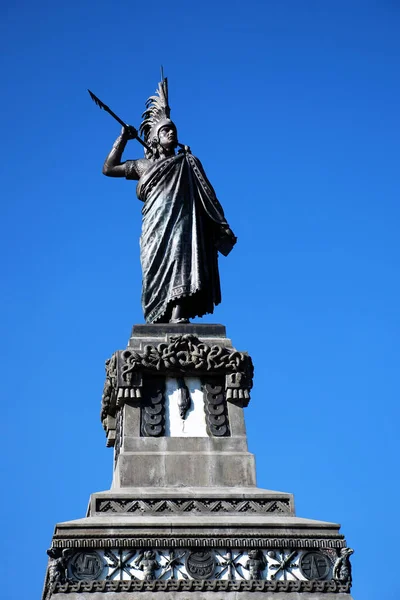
point(184, 225)
point(113, 165)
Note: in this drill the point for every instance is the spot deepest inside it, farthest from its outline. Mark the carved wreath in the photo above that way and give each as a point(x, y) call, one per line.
point(183, 354)
point(186, 353)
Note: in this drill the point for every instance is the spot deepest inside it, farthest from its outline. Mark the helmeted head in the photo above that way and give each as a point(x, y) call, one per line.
point(167, 135)
point(158, 130)
point(163, 135)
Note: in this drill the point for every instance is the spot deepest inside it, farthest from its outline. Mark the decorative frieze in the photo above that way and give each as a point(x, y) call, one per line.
point(185, 506)
point(199, 542)
point(193, 585)
point(202, 563)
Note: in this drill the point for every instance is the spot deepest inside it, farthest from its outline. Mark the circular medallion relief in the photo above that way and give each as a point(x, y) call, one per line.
point(200, 565)
point(314, 565)
point(86, 566)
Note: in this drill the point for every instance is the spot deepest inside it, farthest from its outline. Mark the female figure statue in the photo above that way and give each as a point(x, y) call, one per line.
point(183, 225)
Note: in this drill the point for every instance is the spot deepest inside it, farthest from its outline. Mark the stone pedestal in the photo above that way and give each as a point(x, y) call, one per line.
point(184, 513)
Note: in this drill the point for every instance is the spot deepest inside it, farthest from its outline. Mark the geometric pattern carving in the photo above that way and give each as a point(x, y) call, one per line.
point(197, 542)
point(315, 565)
point(86, 566)
point(283, 564)
point(203, 506)
point(193, 585)
point(118, 562)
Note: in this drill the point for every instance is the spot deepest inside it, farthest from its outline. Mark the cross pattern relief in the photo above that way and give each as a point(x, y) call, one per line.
point(119, 564)
point(145, 564)
point(218, 564)
point(282, 565)
point(173, 565)
point(230, 565)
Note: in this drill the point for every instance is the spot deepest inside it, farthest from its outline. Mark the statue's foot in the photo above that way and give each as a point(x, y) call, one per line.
point(180, 320)
point(178, 313)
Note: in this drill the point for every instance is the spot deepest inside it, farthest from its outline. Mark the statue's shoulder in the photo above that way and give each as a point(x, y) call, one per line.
point(198, 168)
point(134, 169)
point(194, 161)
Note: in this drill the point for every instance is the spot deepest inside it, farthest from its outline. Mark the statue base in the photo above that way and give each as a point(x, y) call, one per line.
point(184, 513)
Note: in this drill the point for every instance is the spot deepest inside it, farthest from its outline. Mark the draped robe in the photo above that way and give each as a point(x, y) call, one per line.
point(181, 228)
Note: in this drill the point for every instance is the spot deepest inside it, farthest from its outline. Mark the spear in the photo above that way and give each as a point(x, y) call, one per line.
point(101, 104)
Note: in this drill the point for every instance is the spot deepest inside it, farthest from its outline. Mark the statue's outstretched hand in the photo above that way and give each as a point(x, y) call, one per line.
point(129, 132)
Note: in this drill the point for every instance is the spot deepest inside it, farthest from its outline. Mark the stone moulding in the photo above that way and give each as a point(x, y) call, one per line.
point(213, 585)
point(115, 542)
point(183, 355)
point(203, 506)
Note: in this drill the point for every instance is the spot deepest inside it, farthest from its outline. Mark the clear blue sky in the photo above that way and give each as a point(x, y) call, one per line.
point(293, 108)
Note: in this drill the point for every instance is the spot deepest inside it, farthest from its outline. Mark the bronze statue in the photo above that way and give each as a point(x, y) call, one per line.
point(183, 225)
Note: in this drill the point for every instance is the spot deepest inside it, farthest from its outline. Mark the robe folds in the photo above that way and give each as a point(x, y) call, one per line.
point(183, 224)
